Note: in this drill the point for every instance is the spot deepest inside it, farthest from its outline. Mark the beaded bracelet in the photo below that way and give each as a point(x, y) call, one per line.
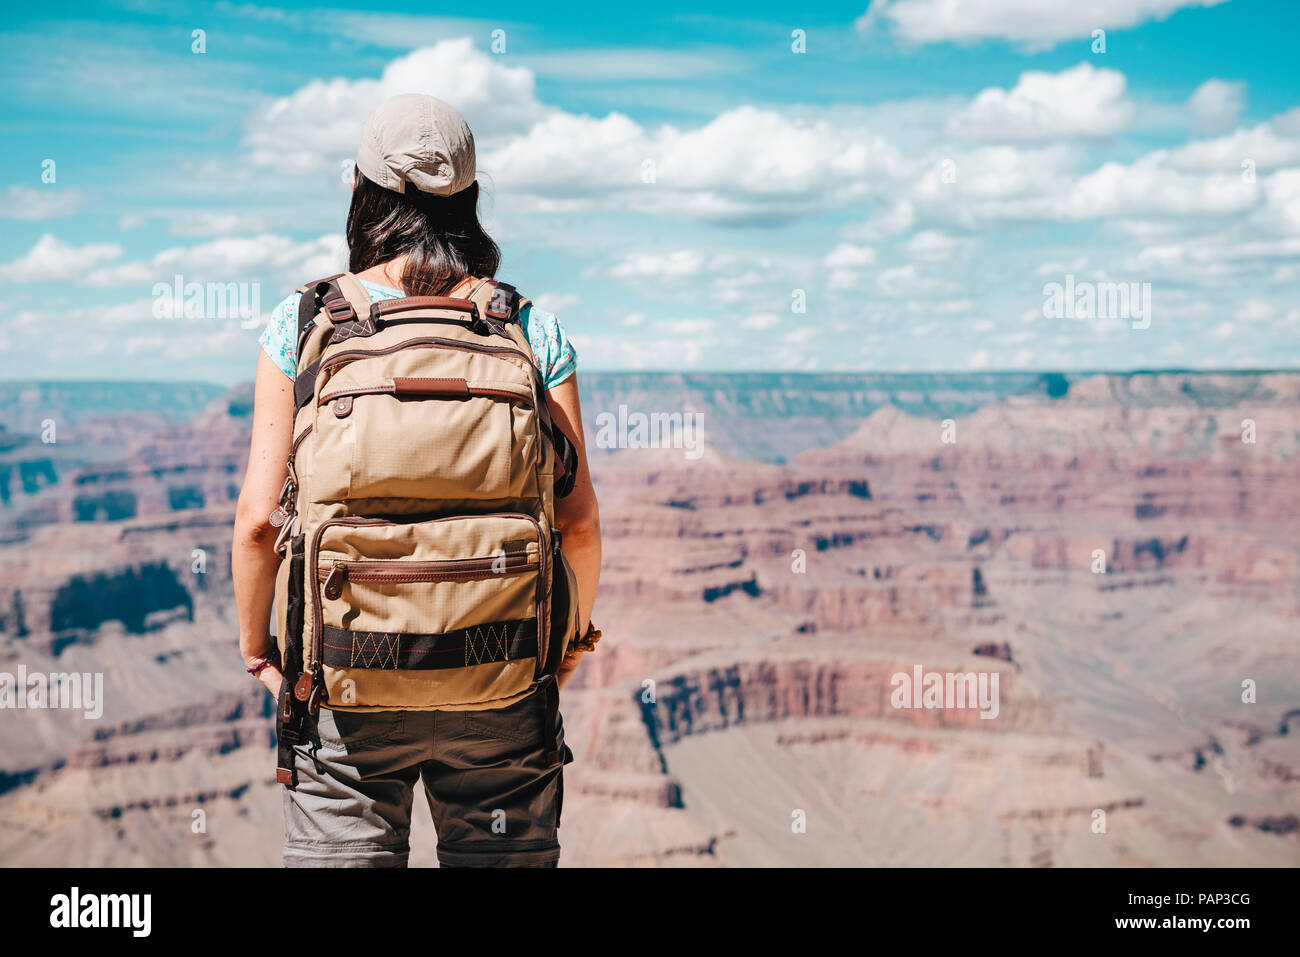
point(259, 665)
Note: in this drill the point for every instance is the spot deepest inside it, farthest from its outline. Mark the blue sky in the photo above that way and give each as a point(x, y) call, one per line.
point(917, 177)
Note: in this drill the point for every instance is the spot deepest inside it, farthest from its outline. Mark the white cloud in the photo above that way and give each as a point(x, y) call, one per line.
point(1144, 188)
point(32, 203)
point(849, 256)
point(1255, 310)
point(286, 261)
point(1282, 202)
point(943, 307)
point(87, 317)
point(846, 262)
point(1217, 104)
point(897, 219)
point(619, 351)
point(557, 302)
point(724, 171)
point(320, 122)
point(902, 281)
point(1081, 102)
point(571, 156)
point(603, 65)
point(677, 264)
point(1268, 146)
point(930, 245)
point(52, 260)
point(686, 327)
point(999, 173)
point(1076, 265)
point(1036, 23)
point(762, 320)
point(215, 223)
point(1211, 261)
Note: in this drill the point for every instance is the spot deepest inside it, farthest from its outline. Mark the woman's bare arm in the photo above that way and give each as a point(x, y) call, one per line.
point(577, 515)
point(252, 556)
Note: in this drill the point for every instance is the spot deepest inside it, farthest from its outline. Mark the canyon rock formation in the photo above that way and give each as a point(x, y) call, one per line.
point(1106, 548)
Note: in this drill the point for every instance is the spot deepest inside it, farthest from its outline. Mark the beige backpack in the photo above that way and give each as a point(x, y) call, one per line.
point(422, 569)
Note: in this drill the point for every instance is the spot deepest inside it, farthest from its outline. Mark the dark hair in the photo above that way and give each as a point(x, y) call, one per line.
point(440, 235)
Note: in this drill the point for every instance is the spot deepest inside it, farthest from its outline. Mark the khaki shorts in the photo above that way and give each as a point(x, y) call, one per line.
point(495, 802)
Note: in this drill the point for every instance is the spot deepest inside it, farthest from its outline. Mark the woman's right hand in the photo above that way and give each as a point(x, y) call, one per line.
point(568, 665)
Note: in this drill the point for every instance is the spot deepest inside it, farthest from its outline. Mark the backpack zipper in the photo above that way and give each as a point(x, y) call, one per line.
point(402, 571)
point(298, 441)
point(474, 391)
point(348, 355)
point(311, 675)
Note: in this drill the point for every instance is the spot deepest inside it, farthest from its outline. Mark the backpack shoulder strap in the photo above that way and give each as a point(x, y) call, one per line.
point(502, 303)
point(499, 304)
point(337, 295)
point(335, 300)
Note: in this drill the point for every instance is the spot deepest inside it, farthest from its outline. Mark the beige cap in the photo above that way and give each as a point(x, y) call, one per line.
point(417, 139)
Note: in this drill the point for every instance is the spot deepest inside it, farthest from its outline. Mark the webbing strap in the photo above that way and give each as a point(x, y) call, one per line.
point(566, 460)
point(550, 688)
point(489, 642)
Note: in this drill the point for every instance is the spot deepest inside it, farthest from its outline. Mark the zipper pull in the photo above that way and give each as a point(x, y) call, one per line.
point(302, 687)
point(311, 689)
point(334, 583)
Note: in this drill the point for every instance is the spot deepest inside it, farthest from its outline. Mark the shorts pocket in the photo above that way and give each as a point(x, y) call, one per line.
point(350, 730)
point(520, 722)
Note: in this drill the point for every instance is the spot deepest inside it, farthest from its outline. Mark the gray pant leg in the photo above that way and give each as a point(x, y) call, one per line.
point(356, 780)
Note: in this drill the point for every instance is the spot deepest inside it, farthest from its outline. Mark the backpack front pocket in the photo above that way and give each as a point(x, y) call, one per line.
point(402, 619)
point(392, 427)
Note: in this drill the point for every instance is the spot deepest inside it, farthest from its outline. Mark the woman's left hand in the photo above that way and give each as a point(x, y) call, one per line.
point(272, 678)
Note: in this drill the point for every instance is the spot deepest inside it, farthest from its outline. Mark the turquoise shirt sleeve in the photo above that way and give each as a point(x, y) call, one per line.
point(279, 339)
point(555, 354)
